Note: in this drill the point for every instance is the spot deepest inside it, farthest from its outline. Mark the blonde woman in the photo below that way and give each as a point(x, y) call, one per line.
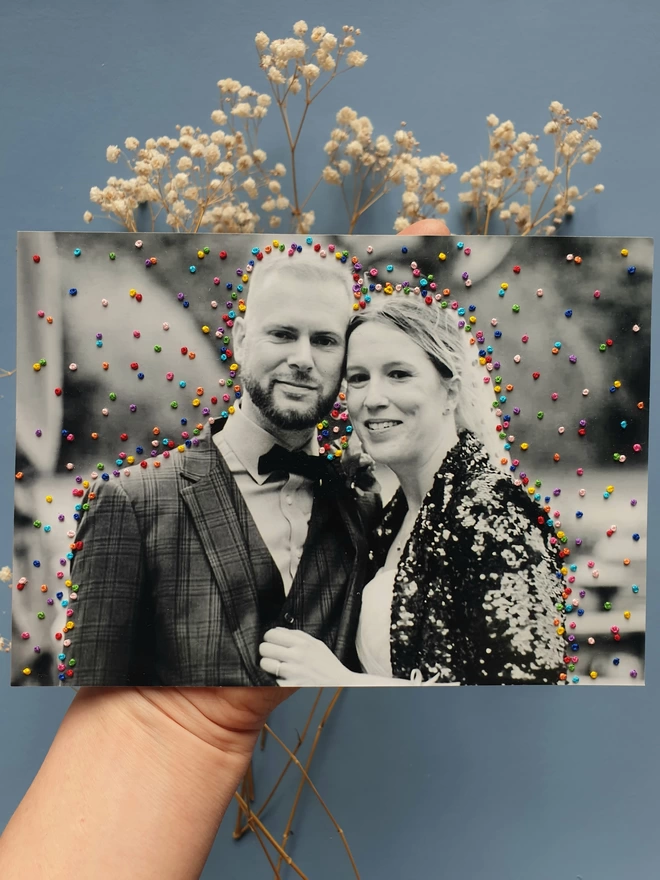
point(464, 581)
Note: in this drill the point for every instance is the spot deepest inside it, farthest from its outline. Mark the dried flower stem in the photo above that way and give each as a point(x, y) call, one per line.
point(309, 782)
point(301, 73)
point(292, 757)
point(269, 837)
point(245, 785)
point(238, 824)
point(250, 783)
point(257, 834)
point(240, 830)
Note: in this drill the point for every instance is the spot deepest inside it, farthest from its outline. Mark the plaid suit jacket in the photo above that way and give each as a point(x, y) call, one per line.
point(167, 591)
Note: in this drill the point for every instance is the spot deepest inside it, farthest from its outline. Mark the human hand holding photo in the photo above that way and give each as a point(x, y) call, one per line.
point(139, 770)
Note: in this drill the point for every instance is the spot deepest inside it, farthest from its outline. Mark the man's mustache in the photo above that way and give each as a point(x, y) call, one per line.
point(296, 379)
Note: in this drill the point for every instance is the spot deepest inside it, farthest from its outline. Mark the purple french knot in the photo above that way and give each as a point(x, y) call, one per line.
point(522, 475)
point(206, 411)
point(583, 423)
point(583, 593)
point(195, 441)
point(578, 542)
point(556, 492)
point(516, 410)
point(497, 365)
point(153, 453)
point(62, 561)
point(50, 601)
point(465, 276)
point(179, 296)
point(357, 267)
point(357, 288)
point(572, 358)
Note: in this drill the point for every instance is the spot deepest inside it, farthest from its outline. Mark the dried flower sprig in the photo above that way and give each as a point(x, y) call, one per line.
point(366, 169)
point(294, 67)
point(197, 179)
point(5, 576)
point(513, 168)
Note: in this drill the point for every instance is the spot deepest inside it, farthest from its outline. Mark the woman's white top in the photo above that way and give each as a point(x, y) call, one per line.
point(373, 635)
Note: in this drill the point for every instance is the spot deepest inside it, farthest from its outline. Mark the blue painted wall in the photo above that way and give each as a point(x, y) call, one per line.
point(522, 784)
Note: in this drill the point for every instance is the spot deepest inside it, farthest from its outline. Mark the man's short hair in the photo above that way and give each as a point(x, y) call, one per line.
point(306, 265)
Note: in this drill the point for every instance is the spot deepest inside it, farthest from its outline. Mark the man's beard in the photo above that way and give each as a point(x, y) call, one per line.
point(288, 419)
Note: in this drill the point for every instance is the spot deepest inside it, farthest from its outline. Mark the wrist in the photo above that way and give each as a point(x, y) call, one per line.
point(174, 721)
point(130, 770)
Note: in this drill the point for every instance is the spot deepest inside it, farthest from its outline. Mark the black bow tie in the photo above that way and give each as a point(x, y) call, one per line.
point(279, 459)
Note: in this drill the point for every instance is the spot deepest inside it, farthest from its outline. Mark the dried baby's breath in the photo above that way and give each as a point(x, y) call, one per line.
point(220, 180)
point(5, 576)
point(504, 184)
point(367, 167)
point(195, 179)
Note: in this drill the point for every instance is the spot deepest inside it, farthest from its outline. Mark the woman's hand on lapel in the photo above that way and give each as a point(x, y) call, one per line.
point(296, 658)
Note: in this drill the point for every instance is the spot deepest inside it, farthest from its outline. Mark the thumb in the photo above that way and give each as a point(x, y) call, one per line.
point(426, 227)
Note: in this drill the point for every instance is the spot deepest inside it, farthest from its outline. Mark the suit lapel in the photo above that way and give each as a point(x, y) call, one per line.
point(210, 502)
point(345, 505)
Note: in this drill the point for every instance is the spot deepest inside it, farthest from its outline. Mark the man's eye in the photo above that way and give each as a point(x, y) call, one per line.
point(325, 341)
point(282, 334)
point(399, 374)
point(357, 379)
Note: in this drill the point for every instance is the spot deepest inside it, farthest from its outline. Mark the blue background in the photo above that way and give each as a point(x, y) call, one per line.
point(521, 784)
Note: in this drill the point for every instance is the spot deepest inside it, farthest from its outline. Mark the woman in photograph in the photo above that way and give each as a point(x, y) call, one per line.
point(464, 581)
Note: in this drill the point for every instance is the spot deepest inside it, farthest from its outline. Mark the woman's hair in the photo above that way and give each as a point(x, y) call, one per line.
point(435, 331)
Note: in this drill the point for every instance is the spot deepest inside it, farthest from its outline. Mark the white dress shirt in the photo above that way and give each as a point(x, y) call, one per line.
point(280, 507)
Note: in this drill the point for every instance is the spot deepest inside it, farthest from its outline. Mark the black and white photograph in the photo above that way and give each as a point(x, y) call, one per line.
point(330, 460)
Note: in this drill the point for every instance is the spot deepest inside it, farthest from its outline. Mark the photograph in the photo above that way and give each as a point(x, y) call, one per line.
point(346, 460)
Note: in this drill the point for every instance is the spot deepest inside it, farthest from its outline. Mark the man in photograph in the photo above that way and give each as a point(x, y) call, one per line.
point(185, 567)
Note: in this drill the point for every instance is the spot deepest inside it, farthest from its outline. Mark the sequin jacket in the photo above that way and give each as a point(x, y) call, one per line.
point(477, 583)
